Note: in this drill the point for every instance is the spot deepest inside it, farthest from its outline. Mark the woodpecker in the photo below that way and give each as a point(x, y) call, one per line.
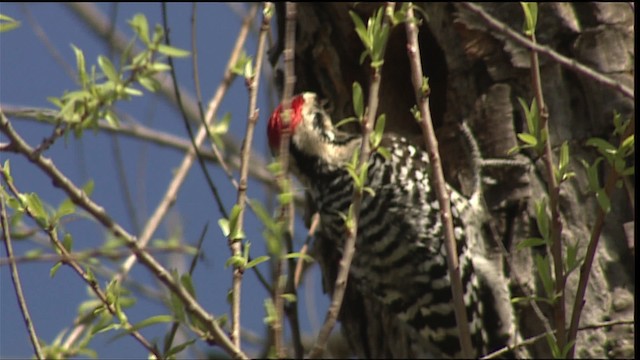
point(398, 301)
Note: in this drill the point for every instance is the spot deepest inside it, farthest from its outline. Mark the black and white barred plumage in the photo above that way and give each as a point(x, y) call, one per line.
point(398, 301)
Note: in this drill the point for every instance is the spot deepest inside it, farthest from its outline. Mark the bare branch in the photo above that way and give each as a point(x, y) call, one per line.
point(15, 278)
point(568, 63)
point(532, 340)
point(93, 285)
point(79, 197)
point(350, 243)
point(439, 183)
point(587, 264)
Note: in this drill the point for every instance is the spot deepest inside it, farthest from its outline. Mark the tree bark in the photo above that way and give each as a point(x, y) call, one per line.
point(477, 74)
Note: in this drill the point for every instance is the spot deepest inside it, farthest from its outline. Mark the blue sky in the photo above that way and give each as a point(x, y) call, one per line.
point(29, 74)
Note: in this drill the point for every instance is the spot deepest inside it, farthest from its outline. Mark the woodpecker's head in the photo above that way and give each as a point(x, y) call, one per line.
point(313, 137)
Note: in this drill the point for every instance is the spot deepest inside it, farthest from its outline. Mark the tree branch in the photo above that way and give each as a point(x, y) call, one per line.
point(439, 183)
point(15, 278)
point(568, 63)
point(79, 197)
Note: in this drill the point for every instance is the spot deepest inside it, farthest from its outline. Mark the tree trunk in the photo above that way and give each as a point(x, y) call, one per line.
point(476, 73)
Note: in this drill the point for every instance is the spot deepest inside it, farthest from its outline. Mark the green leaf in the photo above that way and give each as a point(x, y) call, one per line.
point(158, 67)
point(261, 213)
point(542, 218)
point(176, 306)
point(358, 102)
point(237, 261)
point(516, 300)
point(528, 139)
point(346, 121)
point(270, 309)
point(286, 198)
point(378, 132)
point(7, 23)
point(603, 146)
point(603, 200)
point(425, 88)
point(88, 188)
point(553, 346)
point(108, 69)
point(349, 220)
point(90, 276)
point(530, 242)
point(542, 265)
point(54, 269)
point(172, 51)
point(80, 65)
point(239, 66)
point(221, 127)
point(149, 83)
point(256, 261)
point(531, 17)
point(384, 152)
point(234, 232)
point(592, 174)
point(532, 116)
point(289, 297)
point(33, 254)
point(179, 348)
point(248, 72)
point(33, 203)
point(224, 226)
point(361, 29)
point(564, 155)
point(298, 255)
point(132, 91)
point(67, 242)
point(6, 171)
point(158, 35)
point(158, 319)
point(416, 113)
point(571, 260)
point(627, 146)
point(563, 162)
point(369, 190)
point(140, 26)
point(187, 282)
point(112, 119)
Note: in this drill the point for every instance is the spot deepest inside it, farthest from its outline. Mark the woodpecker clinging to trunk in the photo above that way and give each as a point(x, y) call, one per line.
point(398, 301)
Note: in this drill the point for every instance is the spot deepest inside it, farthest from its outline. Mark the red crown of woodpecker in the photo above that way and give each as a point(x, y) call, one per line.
point(276, 125)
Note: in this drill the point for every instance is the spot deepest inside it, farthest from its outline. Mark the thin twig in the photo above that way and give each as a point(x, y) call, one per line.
point(587, 264)
point(350, 243)
point(90, 254)
point(41, 34)
point(559, 313)
point(15, 279)
point(532, 340)
point(283, 181)
point(568, 63)
point(141, 132)
point(287, 210)
point(95, 287)
point(121, 173)
point(439, 183)
point(203, 167)
point(79, 198)
point(252, 82)
point(168, 343)
point(315, 221)
point(180, 174)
